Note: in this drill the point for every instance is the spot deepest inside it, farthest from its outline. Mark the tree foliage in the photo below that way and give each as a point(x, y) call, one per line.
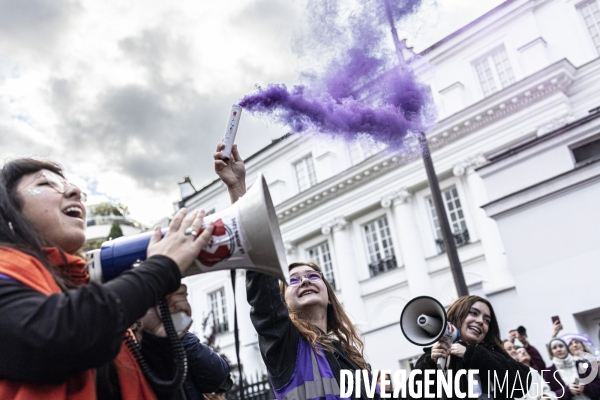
point(115, 231)
point(106, 209)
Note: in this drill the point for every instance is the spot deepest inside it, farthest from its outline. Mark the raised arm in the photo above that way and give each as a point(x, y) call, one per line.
point(278, 337)
point(232, 172)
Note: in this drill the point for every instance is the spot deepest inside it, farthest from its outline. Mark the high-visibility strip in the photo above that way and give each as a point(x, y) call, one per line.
point(318, 388)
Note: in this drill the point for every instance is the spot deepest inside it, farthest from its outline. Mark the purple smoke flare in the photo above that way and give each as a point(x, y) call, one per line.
point(363, 91)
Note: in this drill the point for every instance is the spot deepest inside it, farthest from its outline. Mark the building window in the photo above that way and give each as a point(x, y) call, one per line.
point(218, 308)
point(379, 246)
point(494, 71)
point(456, 218)
point(587, 152)
point(364, 147)
point(305, 173)
point(321, 255)
point(591, 16)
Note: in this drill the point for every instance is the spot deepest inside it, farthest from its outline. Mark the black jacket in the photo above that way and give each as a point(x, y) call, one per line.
point(277, 336)
point(45, 339)
point(488, 362)
point(207, 371)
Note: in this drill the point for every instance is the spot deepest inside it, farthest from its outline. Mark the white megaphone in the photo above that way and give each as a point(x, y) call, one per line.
point(424, 321)
point(246, 235)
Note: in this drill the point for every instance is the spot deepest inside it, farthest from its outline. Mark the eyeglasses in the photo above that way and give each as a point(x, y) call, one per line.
point(313, 276)
point(60, 184)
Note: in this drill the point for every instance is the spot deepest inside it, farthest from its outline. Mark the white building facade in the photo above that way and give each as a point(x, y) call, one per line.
point(521, 71)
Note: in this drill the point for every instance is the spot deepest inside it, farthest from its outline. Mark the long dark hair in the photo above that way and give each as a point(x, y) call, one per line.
point(459, 310)
point(15, 231)
point(338, 324)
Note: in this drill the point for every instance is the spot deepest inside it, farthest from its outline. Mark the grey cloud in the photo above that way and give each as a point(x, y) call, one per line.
point(268, 17)
point(155, 132)
point(155, 47)
point(156, 136)
point(20, 145)
point(35, 24)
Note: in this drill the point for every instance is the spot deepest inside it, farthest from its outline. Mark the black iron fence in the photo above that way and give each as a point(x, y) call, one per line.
point(257, 388)
point(461, 238)
point(383, 265)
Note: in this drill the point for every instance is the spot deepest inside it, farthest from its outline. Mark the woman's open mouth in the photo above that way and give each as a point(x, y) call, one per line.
point(73, 211)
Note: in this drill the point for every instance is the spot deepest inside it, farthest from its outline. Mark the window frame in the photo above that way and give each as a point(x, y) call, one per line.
point(221, 326)
point(437, 231)
point(314, 172)
point(424, 220)
point(488, 56)
point(579, 7)
point(392, 238)
point(582, 143)
point(330, 274)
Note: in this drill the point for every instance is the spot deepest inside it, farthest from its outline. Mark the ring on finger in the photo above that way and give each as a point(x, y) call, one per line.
point(190, 231)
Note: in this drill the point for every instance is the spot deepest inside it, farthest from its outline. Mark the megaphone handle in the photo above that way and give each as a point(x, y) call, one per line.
point(181, 322)
point(441, 363)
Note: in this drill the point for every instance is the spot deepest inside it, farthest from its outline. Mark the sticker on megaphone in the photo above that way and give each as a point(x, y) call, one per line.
point(246, 235)
point(228, 244)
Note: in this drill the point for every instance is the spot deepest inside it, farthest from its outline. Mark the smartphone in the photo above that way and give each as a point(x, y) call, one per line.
point(576, 381)
point(555, 319)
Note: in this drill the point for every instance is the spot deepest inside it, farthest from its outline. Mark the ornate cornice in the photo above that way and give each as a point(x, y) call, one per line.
point(290, 248)
point(399, 197)
point(462, 167)
point(337, 224)
point(555, 78)
point(453, 128)
point(555, 124)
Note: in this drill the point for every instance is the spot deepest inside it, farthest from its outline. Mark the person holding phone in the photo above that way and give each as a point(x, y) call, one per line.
point(565, 374)
point(556, 326)
point(304, 334)
point(537, 362)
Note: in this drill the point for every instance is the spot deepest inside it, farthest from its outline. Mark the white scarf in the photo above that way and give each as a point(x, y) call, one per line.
point(564, 363)
point(568, 372)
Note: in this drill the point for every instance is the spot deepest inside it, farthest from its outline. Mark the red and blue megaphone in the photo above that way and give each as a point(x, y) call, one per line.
point(246, 235)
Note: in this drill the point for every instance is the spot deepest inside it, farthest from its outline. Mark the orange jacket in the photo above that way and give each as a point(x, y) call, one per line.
point(82, 385)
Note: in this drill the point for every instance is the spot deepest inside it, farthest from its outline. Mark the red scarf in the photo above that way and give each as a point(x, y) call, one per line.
point(81, 385)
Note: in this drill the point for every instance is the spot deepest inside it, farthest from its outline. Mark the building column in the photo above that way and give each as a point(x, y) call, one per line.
point(291, 251)
point(347, 265)
point(415, 265)
point(500, 276)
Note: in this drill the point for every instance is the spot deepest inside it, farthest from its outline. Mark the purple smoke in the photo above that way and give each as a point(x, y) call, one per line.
point(363, 90)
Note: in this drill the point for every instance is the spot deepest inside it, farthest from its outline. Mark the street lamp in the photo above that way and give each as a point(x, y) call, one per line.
point(448, 237)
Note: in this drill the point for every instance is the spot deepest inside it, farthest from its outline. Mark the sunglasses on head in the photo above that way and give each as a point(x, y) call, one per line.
point(313, 276)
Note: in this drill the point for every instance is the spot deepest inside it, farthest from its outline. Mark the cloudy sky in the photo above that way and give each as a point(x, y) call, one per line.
point(130, 96)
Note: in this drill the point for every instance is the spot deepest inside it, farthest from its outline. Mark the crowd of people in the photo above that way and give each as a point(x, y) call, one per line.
point(64, 337)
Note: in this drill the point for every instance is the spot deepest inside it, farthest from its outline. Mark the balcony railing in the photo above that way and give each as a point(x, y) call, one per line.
point(383, 265)
point(461, 238)
point(221, 327)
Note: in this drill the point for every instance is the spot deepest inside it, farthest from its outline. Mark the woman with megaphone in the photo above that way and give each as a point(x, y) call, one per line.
point(62, 337)
point(305, 336)
point(480, 348)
